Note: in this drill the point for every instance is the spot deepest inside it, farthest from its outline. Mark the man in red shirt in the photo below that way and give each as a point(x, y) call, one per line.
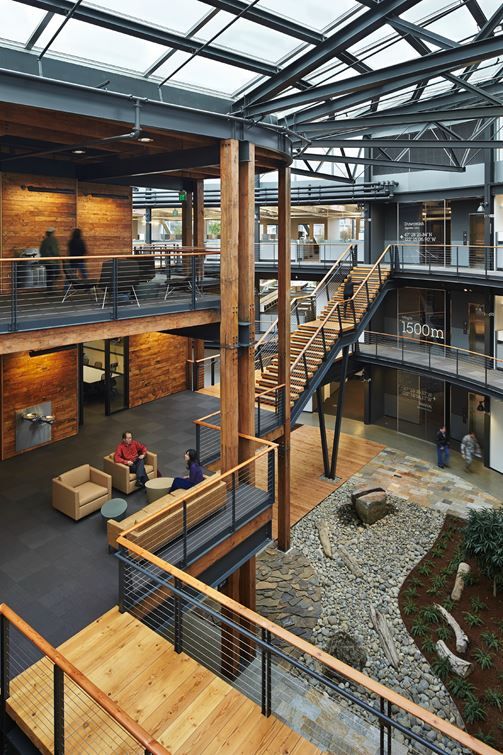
point(132, 453)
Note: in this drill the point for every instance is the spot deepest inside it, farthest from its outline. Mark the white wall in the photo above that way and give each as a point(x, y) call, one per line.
point(496, 455)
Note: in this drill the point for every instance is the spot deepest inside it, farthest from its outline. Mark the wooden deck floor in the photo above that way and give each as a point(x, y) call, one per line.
point(181, 704)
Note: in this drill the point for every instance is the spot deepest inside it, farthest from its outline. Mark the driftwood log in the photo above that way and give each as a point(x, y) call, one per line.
point(350, 562)
point(461, 637)
point(459, 584)
point(458, 665)
point(324, 535)
point(382, 629)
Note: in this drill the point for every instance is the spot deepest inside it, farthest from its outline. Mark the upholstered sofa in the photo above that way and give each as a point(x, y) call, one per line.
point(81, 491)
point(122, 478)
point(165, 528)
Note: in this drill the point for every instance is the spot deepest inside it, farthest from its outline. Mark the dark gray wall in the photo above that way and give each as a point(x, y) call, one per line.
point(460, 218)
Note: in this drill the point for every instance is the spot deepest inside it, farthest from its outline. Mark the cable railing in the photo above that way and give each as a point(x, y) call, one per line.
point(267, 663)
point(40, 292)
point(336, 321)
point(59, 707)
point(200, 518)
point(269, 414)
point(451, 361)
point(476, 260)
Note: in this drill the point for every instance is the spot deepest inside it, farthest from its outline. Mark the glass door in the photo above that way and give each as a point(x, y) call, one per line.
point(117, 372)
point(104, 369)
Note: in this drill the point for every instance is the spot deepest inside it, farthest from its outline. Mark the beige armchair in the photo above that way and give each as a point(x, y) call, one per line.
point(81, 491)
point(122, 478)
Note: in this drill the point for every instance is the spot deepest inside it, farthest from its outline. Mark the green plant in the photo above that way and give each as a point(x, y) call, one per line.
point(441, 668)
point(410, 592)
point(451, 567)
point(430, 615)
point(437, 584)
point(494, 697)
point(415, 582)
point(409, 607)
point(444, 632)
point(485, 660)
point(426, 568)
point(428, 646)
point(477, 604)
point(490, 640)
point(438, 550)
point(448, 604)
point(473, 619)
point(474, 710)
point(461, 688)
point(487, 738)
point(484, 540)
point(419, 629)
point(470, 579)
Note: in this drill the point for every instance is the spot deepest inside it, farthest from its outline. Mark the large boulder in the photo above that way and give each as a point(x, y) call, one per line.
point(370, 504)
point(344, 647)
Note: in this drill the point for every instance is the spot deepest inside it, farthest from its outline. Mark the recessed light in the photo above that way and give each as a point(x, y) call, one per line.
point(79, 151)
point(145, 139)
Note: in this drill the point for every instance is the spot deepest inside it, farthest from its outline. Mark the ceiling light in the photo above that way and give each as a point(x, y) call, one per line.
point(145, 139)
point(78, 151)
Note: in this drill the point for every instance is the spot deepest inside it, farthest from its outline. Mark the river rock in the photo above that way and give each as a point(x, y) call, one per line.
point(370, 505)
point(344, 647)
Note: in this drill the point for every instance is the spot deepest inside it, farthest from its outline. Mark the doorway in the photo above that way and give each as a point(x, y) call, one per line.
point(477, 249)
point(477, 328)
point(103, 370)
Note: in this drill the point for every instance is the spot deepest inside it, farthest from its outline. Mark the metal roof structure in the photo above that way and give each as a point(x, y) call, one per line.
point(422, 78)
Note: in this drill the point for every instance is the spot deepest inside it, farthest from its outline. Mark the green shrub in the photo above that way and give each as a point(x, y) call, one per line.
point(419, 629)
point(494, 697)
point(441, 668)
point(483, 539)
point(409, 607)
point(426, 568)
point(490, 640)
point(485, 660)
point(474, 710)
point(430, 615)
point(470, 579)
point(473, 619)
point(448, 604)
point(410, 592)
point(428, 646)
point(461, 687)
point(444, 632)
point(486, 738)
point(477, 604)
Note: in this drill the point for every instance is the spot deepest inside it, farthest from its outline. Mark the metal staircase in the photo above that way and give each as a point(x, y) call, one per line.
point(315, 344)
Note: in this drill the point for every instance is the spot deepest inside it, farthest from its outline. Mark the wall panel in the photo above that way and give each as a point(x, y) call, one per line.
point(105, 221)
point(157, 366)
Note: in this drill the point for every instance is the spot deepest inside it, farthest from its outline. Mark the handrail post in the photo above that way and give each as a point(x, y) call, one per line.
point(304, 359)
point(457, 362)
point(323, 340)
point(184, 531)
point(194, 282)
point(177, 619)
point(266, 674)
point(258, 416)
point(233, 501)
point(13, 298)
point(59, 711)
point(122, 583)
point(4, 675)
point(115, 289)
point(212, 368)
point(340, 319)
point(354, 311)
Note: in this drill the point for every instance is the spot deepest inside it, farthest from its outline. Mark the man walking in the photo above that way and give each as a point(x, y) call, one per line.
point(348, 293)
point(469, 448)
point(49, 249)
point(132, 453)
point(442, 448)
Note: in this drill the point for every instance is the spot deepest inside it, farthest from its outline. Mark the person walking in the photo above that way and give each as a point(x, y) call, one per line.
point(49, 249)
point(349, 288)
point(469, 448)
point(442, 448)
point(77, 248)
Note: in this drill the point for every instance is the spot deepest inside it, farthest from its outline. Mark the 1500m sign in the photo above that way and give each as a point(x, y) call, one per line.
point(421, 329)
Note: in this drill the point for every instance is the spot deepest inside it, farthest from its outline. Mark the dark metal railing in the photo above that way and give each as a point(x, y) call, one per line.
point(460, 260)
point(42, 292)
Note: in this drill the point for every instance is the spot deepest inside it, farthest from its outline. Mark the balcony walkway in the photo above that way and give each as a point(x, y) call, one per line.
point(181, 704)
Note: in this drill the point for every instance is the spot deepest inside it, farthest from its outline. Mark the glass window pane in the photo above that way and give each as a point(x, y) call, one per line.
point(202, 73)
point(258, 41)
point(179, 17)
point(18, 21)
point(317, 14)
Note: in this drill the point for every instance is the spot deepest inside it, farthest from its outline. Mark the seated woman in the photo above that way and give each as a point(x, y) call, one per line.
point(195, 475)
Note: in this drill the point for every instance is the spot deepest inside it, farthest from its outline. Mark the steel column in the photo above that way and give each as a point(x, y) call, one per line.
point(338, 419)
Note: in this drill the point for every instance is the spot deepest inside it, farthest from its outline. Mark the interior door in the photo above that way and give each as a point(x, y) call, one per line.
point(477, 252)
point(476, 327)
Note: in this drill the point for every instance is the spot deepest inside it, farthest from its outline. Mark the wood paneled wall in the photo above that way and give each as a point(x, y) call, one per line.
point(30, 380)
point(157, 366)
point(105, 222)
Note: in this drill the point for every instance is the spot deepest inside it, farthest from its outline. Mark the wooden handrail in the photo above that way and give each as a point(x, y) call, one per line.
point(269, 390)
point(96, 694)
point(336, 305)
point(306, 648)
point(62, 257)
point(203, 359)
point(432, 343)
point(206, 484)
point(449, 246)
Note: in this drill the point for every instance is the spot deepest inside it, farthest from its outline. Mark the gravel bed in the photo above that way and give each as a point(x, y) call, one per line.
point(386, 552)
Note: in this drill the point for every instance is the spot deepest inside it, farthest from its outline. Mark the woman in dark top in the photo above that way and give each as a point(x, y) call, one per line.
point(77, 248)
point(195, 475)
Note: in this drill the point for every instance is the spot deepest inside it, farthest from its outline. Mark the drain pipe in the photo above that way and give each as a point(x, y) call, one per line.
point(130, 136)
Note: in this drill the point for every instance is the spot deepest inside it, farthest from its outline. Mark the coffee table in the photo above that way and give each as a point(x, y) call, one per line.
point(115, 508)
point(157, 487)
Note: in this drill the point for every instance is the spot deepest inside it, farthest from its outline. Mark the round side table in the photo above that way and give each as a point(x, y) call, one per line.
point(115, 508)
point(157, 487)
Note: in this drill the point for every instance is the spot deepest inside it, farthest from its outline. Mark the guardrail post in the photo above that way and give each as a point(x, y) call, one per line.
point(59, 711)
point(304, 359)
point(198, 440)
point(194, 282)
point(4, 676)
point(212, 369)
point(122, 584)
point(324, 341)
point(13, 297)
point(178, 618)
point(184, 531)
point(115, 289)
point(258, 416)
point(354, 311)
point(233, 502)
point(266, 675)
point(457, 362)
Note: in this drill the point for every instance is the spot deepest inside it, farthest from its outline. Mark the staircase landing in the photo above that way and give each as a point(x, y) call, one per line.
point(183, 705)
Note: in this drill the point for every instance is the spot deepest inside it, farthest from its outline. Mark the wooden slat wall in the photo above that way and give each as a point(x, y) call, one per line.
point(156, 366)
point(30, 380)
point(105, 222)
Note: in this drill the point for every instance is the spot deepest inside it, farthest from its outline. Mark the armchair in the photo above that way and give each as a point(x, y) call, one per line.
point(122, 478)
point(81, 491)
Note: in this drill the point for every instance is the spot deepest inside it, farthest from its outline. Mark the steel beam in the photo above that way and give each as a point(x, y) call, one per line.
point(333, 142)
point(326, 176)
point(149, 32)
point(355, 31)
point(199, 157)
point(38, 31)
point(377, 161)
point(421, 32)
point(402, 75)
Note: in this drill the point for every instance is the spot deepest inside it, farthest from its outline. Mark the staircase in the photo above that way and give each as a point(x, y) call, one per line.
point(315, 344)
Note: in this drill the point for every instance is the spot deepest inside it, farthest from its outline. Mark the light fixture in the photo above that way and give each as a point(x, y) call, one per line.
point(39, 419)
point(79, 151)
point(145, 139)
point(482, 207)
point(484, 405)
point(31, 417)
point(47, 189)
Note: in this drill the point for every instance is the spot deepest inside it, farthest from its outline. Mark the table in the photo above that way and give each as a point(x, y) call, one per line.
point(115, 508)
point(95, 374)
point(157, 487)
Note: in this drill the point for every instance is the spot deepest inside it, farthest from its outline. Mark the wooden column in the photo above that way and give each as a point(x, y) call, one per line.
point(187, 232)
point(198, 240)
point(246, 307)
point(284, 284)
point(229, 191)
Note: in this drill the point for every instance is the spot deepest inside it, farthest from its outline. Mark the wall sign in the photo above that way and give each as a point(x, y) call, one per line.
point(423, 330)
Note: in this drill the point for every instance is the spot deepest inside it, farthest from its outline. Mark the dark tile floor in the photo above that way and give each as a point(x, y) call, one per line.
point(57, 573)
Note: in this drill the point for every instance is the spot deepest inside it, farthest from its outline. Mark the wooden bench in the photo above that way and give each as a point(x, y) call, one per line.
point(165, 528)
